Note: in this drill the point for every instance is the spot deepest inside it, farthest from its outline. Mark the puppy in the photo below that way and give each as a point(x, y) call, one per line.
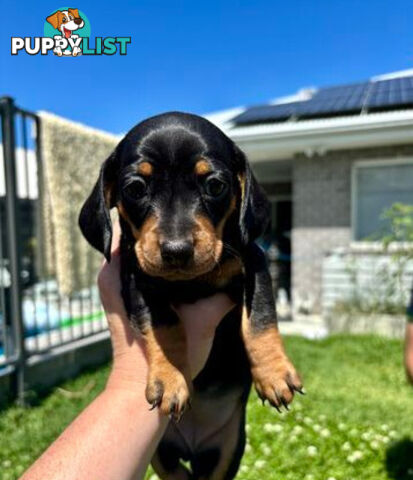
point(66, 21)
point(190, 210)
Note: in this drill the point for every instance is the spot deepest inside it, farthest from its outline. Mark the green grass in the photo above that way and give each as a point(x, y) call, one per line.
point(356, 421)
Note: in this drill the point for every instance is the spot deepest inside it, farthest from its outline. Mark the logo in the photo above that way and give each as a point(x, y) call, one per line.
point(67, 34)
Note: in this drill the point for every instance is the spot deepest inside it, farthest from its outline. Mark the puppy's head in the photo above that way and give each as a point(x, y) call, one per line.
point(177, 182)
point(66, 21)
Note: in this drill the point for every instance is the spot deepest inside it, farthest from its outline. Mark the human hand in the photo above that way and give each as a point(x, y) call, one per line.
point(200, 320)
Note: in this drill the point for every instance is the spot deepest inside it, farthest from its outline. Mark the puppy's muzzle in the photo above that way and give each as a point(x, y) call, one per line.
point(177, 253)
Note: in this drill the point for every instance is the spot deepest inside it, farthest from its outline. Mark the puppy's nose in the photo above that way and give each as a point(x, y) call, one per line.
point(177, 253)
point(78, 21)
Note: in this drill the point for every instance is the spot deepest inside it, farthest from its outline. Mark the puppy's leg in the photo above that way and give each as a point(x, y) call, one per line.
point(220, 456)
point(169, 381)
point(274, 376)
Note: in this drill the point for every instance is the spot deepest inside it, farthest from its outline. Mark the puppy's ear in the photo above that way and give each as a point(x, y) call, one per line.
point(74, 12)
point(94, 218)
point(55, 19)
point(255, 207)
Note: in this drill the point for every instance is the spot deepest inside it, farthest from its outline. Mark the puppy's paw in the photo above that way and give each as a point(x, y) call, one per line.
point(170, 393)
point(277, 381)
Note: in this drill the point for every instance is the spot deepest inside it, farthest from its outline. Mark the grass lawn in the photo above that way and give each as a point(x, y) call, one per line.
point(356, 421)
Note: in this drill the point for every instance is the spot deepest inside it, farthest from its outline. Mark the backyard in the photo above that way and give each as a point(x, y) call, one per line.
point(356, 421)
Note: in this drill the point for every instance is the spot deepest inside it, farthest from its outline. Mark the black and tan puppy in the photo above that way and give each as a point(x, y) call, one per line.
point(190, 210)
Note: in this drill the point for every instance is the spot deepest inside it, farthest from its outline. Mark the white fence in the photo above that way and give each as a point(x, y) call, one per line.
point(367, 278)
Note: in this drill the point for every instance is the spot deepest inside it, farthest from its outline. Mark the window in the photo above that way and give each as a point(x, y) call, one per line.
point(376, 186)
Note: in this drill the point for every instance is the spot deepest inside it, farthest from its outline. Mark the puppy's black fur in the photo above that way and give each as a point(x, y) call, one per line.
point(190, 210)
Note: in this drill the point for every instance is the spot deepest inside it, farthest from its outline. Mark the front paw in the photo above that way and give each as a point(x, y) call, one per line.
point(277, 381)
point(169, 392)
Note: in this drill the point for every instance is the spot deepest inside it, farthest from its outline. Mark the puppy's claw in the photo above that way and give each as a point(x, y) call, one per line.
point(171, 397)
point(277, 384)
point(285, 405)
point(173, 408)
point(176, 417)
point(155, 404)
point(284, 402)
point(275, 405)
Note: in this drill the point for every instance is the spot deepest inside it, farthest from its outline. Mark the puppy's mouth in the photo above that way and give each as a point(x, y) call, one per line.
point(185, 274)
point(67, 33)
point(173, 273)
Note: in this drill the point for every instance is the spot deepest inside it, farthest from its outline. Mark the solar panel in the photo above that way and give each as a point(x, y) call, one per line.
point(342, 91)
point(390, 93)
point(333, 101)
point(266, 113)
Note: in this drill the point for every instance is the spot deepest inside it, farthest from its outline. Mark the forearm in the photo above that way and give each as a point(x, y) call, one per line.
point(83, 451)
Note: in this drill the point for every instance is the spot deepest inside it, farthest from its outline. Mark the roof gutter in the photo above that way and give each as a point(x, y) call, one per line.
point(283, 141)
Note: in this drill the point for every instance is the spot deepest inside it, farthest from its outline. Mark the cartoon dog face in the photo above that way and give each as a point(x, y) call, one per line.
point(66, 21)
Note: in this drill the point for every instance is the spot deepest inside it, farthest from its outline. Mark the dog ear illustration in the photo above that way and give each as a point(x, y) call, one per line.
point(255, 207)
point(74, 12)
point(94, 218)
point(55, 19)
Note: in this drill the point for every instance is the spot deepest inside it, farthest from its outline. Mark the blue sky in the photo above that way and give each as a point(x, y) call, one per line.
point(201, 56)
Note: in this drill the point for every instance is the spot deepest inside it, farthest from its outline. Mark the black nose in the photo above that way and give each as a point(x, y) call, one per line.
point(177, 253)
point(78, 21)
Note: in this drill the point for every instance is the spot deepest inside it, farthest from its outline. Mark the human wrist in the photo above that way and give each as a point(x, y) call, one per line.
point(129, 371)
point(129, 394)
point(129, 378)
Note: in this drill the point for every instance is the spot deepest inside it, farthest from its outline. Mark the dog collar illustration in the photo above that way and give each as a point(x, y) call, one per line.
point(67, 21)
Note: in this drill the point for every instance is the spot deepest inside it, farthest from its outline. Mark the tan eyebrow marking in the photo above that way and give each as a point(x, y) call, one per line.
point(202, 167)
point(145, 168)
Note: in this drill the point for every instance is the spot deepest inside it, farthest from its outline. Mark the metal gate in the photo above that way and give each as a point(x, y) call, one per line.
point(35, 317)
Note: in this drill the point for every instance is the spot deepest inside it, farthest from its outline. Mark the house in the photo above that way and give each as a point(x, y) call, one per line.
point(331, 160)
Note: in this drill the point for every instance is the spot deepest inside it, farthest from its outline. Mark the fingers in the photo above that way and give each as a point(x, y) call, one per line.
point(116, 232)
point(109, 274)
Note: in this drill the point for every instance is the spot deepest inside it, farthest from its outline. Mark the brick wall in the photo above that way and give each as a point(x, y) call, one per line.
point(322, 212)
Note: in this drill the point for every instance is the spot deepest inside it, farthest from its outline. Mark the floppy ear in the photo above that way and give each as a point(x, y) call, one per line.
point(255, 207)
point(74, 12)
point(55, 19)
point(94, 218)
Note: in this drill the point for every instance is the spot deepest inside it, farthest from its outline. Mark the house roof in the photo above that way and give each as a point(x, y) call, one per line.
point(376, 112)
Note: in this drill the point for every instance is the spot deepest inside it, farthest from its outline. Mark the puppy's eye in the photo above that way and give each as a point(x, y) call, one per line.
point(70, 17)
point(64, 20)
point(136, 188)
point(215, 187)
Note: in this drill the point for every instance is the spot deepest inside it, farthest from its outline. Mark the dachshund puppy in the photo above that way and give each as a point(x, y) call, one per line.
point(190, 210)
